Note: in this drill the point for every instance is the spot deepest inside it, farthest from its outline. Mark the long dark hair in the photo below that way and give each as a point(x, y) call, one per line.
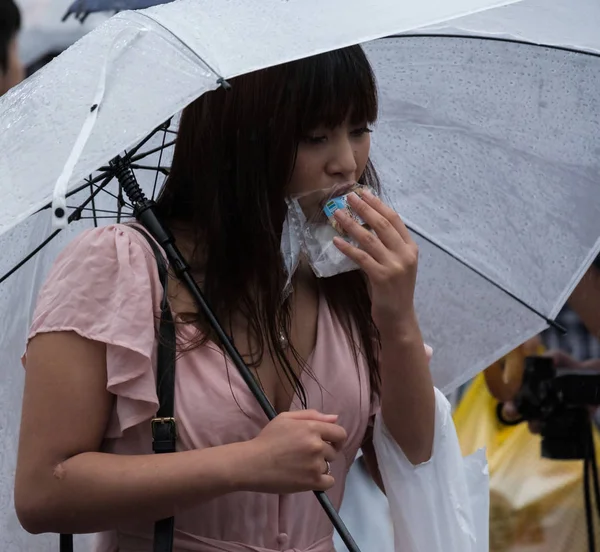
point(234, 155)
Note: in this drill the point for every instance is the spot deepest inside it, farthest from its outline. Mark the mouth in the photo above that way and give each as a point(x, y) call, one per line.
point(313, 204)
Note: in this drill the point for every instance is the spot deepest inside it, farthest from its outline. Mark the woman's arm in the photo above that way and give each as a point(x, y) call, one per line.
point(63, 484)
point(407, 394)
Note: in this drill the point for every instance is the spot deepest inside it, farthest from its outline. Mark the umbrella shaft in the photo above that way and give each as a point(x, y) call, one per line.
point(145, 214)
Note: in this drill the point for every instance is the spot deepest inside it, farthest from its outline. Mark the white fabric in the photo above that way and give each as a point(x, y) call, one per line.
point(442, 504)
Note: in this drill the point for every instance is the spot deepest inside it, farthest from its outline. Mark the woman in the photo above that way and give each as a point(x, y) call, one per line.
point(327, 355)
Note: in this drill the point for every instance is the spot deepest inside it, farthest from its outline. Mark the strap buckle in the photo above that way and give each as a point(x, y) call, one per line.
point(164, 434)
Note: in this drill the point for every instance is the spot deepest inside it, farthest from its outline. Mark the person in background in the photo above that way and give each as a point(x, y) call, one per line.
point(579, 347)
point(585, 304)
point(12, 71)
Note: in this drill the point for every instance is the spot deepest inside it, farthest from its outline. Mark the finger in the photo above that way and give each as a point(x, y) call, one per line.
point(334, 435)
point(325, 483)
point(368, 241)
point(385, 230)
point(389, 213)
point(311, 414)
point(360, 257)
point(330, 452)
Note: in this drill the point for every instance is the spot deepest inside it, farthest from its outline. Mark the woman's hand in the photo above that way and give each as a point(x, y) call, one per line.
point(292, 452)
point(388, 257)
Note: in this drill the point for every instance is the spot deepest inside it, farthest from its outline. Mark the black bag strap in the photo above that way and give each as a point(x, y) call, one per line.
point(164, 428)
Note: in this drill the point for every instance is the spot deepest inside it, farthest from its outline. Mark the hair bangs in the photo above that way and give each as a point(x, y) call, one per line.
point(333, 87)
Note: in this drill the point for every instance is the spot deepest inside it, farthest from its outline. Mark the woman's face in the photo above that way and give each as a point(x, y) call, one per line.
point(327, 157)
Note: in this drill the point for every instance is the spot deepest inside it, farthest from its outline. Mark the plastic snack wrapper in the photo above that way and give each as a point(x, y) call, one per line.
point(310, 228)
point(442, 504)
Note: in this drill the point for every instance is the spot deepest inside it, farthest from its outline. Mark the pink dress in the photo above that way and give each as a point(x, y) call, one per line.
point(105, 287)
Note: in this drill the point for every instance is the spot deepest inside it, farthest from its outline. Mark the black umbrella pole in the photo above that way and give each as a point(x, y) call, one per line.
point(144, 212)
point(150, 221)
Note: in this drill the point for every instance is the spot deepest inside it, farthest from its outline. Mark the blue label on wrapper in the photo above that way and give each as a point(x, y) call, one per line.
point(334, 204)
point(340, 202)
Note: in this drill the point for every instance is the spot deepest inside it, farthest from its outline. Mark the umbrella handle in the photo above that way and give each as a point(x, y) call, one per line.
point(145, 213)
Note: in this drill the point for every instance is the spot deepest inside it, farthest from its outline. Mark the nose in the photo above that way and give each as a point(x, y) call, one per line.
point(342, 163)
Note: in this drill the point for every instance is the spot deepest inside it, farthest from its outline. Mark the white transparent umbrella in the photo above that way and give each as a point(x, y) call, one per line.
point(51, 133)
point(493, 173)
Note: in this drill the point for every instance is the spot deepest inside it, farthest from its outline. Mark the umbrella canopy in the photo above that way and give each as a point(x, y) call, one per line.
point(566, 23)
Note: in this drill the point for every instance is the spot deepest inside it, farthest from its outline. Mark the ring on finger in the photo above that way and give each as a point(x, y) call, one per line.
point(328, 468)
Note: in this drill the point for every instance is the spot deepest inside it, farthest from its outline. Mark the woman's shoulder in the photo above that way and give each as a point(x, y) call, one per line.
point(103, 256)
point(102, 281)
point(107, 242)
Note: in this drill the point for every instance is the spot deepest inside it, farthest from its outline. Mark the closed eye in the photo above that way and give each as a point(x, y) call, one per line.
point(314, 139)
point(357, 132)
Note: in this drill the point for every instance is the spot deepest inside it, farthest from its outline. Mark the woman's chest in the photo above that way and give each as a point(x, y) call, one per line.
point(213, 405)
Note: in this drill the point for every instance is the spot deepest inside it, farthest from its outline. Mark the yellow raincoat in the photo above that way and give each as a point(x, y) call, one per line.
point(536, 505)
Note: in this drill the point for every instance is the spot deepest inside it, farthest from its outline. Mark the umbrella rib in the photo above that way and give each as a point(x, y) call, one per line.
point(94, 180)
point(30, 255)
point(138, 146)
point(164, 170)
point(160, 155)
point(549, 321)
point(120, 202)
point(141, 156)
point(103, 211)
point(93, 204)
point(131, 155)
point(75, 215)
point(107, 217)
point(220, 79)
point(495, 39)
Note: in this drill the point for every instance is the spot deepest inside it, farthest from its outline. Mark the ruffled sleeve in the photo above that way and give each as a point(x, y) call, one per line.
point(105, 287)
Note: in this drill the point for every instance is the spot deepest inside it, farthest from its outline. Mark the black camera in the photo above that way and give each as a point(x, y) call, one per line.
point(559, 400)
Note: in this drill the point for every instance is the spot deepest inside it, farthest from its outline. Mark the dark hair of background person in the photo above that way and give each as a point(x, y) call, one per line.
point(10, 25)
point(234, 156)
